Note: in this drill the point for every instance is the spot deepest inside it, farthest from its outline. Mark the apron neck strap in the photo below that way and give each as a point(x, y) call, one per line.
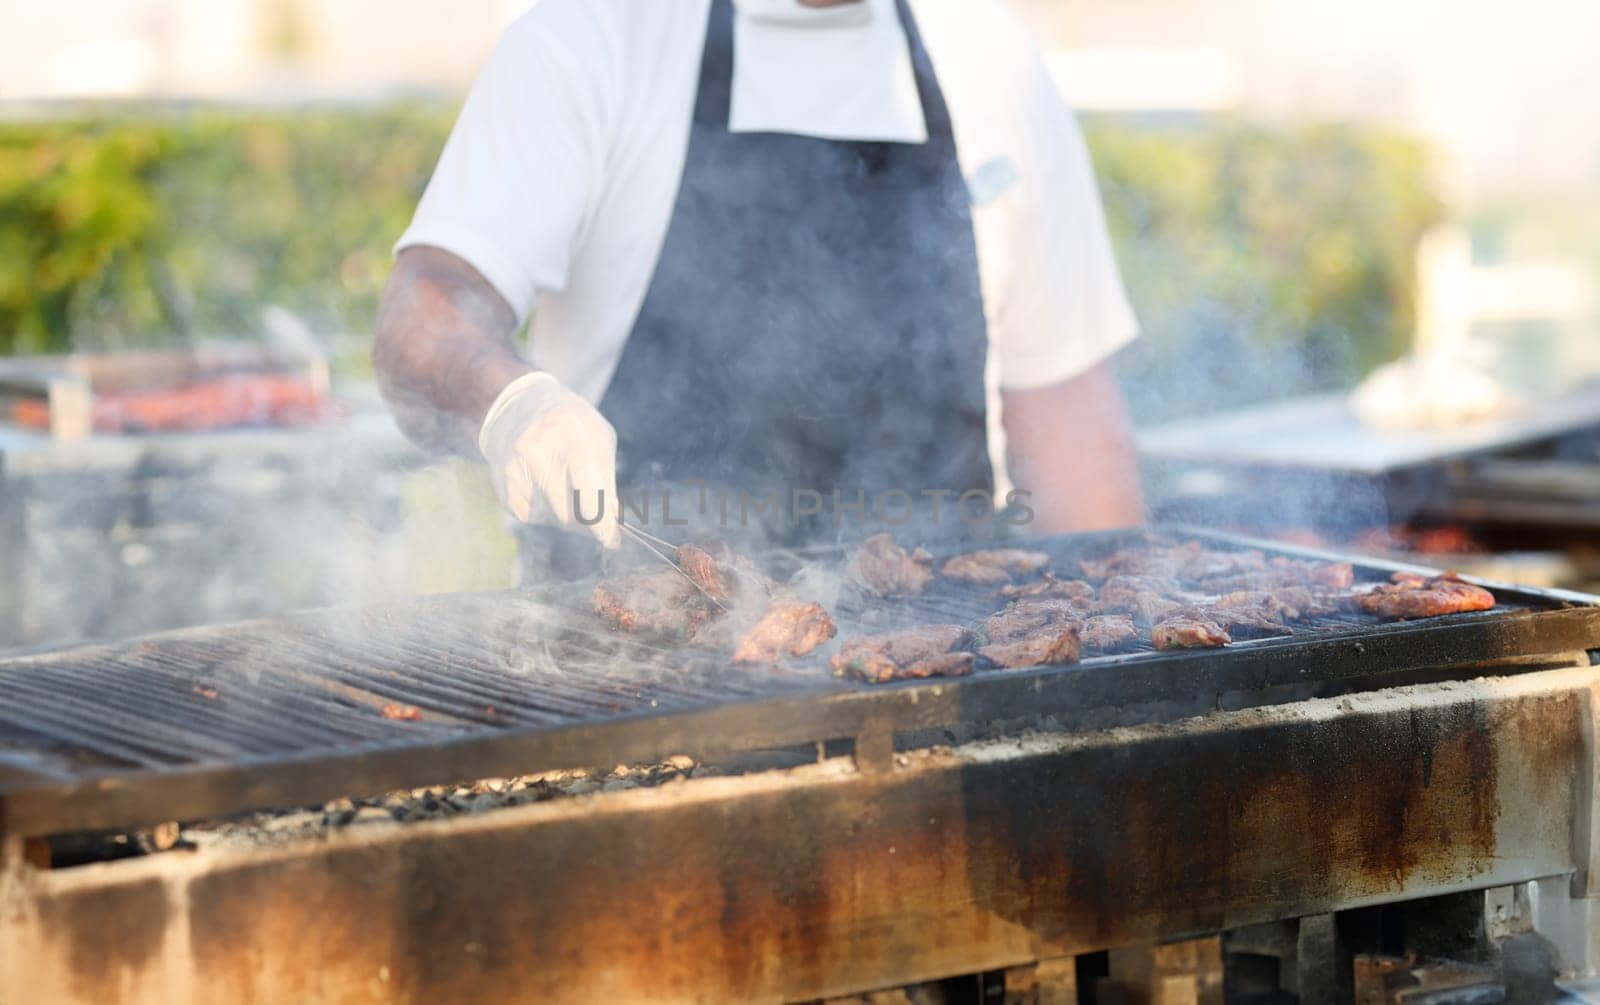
point(714, 102)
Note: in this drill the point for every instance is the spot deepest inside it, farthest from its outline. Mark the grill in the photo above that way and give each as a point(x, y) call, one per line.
point(293, 711)
point(1310, 464)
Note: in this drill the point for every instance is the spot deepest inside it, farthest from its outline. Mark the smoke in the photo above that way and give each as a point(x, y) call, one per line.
point(1250, 435)
point(119, 536)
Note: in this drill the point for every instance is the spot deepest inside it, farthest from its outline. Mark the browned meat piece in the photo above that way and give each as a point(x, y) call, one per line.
point(1188, 632)
point(1029, 617)
point(1075, 590)
point(1326, 575)
point(996, 565)
point(659, 603)
point(924, 651)
point(1146, 560)
point(704, 569)
point(790, 627)
point(1107, 631)
point(723, 572)
point(1148, 598)
point(1309, 602)
point(1046, 648)
point(1261, 610)
point(1236, 617)
point(1411, 596)
point(1119, 588)
point(1285, 572)
point(1149, 608)
point(888, 570)
point(1288, 603)
point(1209, 564)
point(1221, 571)
point(944, 665)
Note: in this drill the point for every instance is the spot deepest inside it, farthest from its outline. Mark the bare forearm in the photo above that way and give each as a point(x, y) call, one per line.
point(444, 348)
point(1071, 447)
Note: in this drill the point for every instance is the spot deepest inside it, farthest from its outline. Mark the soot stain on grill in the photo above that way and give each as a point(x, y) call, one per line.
point(107, 931)
point(1372, 801)
point(763, 905)
point(1425, 788)
point(1547, 735)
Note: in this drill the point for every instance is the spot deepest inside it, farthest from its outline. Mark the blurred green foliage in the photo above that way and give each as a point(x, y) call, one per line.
point(153, 227)
point(1261, 261)
point(77, 213)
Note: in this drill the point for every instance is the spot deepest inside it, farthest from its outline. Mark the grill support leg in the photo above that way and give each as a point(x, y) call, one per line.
point(1174, 973)
point(1048, 982)
point(874, 750)
point(1325, 960)
point(1566, 909)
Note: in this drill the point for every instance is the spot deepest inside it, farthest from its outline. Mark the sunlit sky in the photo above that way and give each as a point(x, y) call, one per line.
point(1505, 88)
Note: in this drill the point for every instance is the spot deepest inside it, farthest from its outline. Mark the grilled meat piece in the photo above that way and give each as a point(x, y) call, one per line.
point(1285, 603)
point(1107, 631)
point(1284, 572)
point(1075, 590)
point(1146, 560)
point(924, 651)
point(723, 572)
point(884, 568)
point(1236, 617)
point(1267, 610)
point(957, 664)
point(996, 565)
point(1412, 596)
point(1029, 617)
point(1213, 571)
point(1150, 608)
point(1327, 575)
point(657, 603)
point(1182, 583)
point(1148, 598)
point(1119, 588)
point(1128, 562)
point(1033, 630)
point(1187, 631)
point(1045, 648)
point(757, 626)
point(704, 569)
point(789, 627)
point(1207, 564)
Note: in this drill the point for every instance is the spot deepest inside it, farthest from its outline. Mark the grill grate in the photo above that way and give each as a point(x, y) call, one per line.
point(312, 688)
point(321, 682)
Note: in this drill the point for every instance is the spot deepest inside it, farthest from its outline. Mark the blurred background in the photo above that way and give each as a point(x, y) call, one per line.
point(198, 198)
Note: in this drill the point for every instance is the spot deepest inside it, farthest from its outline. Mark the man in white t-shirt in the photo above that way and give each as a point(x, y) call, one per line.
point(847, 255)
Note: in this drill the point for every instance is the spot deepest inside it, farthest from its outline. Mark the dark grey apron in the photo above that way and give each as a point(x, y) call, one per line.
point(814, 325)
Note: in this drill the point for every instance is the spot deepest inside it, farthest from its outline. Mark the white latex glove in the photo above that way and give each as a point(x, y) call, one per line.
point(542, 442)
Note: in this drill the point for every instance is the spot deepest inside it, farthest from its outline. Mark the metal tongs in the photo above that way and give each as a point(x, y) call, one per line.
point(655, 545)
point(650, 543)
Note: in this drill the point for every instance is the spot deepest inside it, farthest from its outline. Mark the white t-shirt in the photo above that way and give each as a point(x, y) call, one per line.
point(559, 179)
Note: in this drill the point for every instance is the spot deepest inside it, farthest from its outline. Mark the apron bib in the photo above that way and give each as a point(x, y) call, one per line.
point(814, 325)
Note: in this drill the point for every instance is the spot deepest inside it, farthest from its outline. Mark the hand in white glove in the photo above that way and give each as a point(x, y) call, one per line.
point(543, 443)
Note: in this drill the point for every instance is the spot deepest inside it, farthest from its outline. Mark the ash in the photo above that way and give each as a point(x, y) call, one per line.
point(265, 828)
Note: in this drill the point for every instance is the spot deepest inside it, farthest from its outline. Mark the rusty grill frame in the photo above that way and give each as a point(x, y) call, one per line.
point(831, 880)
point(37, 797)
